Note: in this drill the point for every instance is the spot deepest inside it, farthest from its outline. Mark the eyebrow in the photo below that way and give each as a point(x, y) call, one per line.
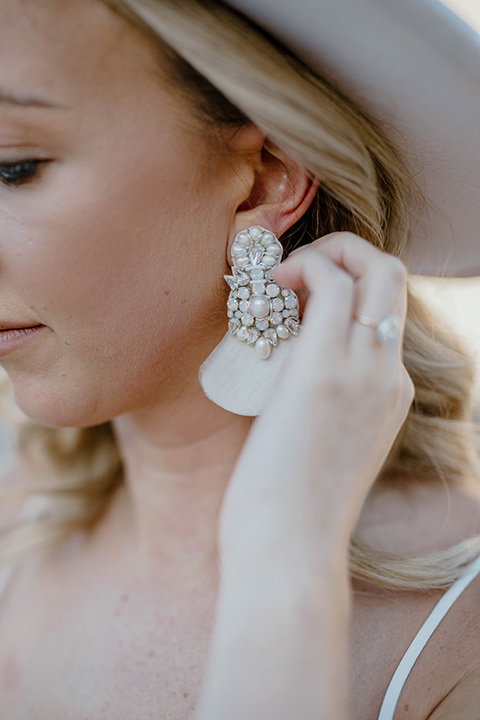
point(8, 98)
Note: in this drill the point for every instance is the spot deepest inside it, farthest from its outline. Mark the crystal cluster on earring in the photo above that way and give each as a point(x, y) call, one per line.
point(260, 312)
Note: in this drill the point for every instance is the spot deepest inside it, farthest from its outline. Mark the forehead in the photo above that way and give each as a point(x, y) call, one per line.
point(70, 50)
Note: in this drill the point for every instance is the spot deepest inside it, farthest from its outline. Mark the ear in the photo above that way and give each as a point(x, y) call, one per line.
point(280, 192)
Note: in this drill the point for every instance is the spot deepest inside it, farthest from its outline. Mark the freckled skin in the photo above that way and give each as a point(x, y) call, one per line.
point(119, 246)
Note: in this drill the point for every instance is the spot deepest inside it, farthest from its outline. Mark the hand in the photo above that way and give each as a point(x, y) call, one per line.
point(280, 642)
point(343, 396)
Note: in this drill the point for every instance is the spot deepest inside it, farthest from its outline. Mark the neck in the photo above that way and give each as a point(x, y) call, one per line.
point(178, 461)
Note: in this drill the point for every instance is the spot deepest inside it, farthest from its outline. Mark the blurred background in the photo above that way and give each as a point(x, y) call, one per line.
point(458, 300)
point(455, 301)
point(6, 438)
point(468, 10)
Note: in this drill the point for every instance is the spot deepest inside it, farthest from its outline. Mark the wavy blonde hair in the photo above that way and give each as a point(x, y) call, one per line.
point(235, 73)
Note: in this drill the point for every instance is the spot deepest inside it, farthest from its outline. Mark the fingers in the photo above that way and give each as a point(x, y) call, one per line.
point(386, 295)
point(353, 278)
point(327, 316)
point(380, 289)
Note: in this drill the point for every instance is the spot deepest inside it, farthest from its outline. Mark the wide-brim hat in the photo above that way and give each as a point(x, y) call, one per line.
point(414, 66)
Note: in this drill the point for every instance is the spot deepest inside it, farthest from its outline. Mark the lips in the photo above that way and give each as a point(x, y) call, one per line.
point(15, 336)
point(5, 325)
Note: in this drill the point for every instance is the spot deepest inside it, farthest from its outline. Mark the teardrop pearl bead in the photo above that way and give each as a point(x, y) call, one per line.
point(242, 333)
point(263, 348)
point(255, 232)
point(259, 306)
point(282, 332)
point(237, 249)
point(269, 260)
point(268, 238)
point(242, 238)
point(274, 249)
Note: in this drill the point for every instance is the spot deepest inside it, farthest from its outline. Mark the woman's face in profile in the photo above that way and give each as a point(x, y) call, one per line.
point(116, 242)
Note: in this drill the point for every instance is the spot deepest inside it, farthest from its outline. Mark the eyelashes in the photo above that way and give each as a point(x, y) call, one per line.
point(19, 173)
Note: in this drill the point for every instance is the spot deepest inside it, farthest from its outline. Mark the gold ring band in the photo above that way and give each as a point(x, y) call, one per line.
point(365, 320)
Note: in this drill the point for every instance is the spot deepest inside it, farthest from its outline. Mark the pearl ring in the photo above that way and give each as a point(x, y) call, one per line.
point(388, 329)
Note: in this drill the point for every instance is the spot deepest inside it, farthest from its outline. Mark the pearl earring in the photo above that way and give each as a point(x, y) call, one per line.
point(261, 313)
point(262, 319)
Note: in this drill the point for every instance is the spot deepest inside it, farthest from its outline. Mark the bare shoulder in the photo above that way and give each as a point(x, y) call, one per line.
point(456, 653)
point(463, 700)
point(448, 669)
point(445, 681)
point(419, 518)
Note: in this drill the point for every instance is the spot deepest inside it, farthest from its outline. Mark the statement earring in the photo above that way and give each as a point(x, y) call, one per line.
point(261, 312)
point(263, 317)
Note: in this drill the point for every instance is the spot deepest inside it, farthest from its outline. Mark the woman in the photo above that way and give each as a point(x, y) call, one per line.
point(192, 562)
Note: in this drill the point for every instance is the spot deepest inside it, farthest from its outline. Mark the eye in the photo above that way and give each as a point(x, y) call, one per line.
point(19, 173)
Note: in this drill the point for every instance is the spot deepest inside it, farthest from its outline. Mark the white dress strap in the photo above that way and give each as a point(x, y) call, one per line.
point(387, 711)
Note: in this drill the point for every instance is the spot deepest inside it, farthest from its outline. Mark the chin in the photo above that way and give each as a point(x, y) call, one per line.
point(54, 408)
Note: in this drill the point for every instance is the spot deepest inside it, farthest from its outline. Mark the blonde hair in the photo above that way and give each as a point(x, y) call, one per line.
point(365, 188)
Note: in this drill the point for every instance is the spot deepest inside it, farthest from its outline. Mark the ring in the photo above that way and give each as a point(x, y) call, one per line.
point(388, 329)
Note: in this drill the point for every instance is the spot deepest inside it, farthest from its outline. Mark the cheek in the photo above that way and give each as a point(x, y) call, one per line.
point(128, 277)
point(112, 243)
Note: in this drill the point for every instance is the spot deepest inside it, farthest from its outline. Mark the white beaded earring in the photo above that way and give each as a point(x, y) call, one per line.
point(240, 373)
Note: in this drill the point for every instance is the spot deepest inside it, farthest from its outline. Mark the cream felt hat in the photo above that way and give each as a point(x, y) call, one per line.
point(415, 66)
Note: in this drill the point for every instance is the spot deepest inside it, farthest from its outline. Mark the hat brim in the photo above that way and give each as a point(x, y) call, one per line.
point(415, 66)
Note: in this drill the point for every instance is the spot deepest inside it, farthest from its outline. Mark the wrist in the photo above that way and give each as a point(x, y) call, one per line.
point(288, 558)
point(281, 635)
point(275, 538)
